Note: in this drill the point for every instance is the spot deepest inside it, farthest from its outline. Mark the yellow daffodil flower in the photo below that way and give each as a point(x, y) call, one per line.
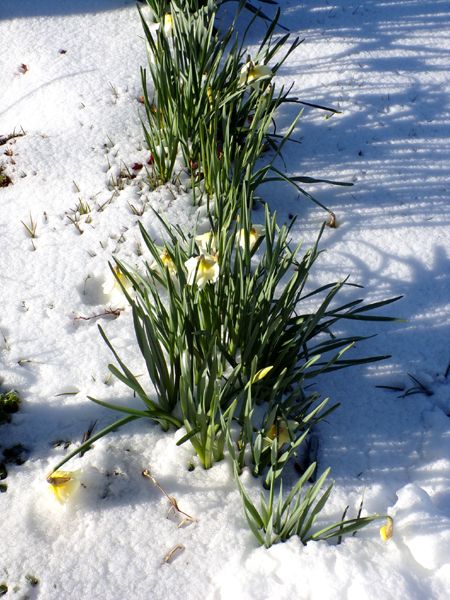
point(387, 531)
point(256, 231)
point(64, 484)
point(202, 269)
point(206, 242)
point(251, 73)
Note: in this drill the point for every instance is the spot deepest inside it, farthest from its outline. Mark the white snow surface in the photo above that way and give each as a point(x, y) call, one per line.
point(385, 65)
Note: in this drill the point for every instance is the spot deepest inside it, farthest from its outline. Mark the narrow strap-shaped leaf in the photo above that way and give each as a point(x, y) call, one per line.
point(94, 438)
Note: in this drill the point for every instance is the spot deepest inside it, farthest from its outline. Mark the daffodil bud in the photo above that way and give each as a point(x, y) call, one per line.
point(387, 531)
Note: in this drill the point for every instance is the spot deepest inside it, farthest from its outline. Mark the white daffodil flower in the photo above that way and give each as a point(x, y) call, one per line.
point(206, 242)
point(64, 484)
point(251, 73)
point(167, 261)
point(111, 286)
point(255, 232)
point(202, 269)
point(279, 431)
point(168, 24)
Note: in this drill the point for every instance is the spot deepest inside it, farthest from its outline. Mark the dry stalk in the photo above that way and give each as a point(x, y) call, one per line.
point(170, 556)
point(186, 519)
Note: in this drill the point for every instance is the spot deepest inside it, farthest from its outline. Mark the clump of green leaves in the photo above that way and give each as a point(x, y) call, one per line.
point(198, 81)
point(160, 8)
point(216, 105)
point(9, 404)
point(228, 328)
point(280, 516)
point(203, 344)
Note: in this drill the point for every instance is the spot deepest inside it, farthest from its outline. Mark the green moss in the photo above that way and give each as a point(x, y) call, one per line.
point(9, 404)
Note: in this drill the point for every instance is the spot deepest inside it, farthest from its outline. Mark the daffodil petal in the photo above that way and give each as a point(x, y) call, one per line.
point(206, 242)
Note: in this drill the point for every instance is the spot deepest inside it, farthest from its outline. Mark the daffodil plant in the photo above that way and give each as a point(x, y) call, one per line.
point(213, 309)
point(202, 77)
point(281, 516)
point(223, 318)
point(160, 8)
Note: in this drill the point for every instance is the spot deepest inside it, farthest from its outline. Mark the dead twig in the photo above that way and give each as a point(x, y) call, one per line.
point(170, 556)
point(173, 503)
point(111, 312)
point(5, 138)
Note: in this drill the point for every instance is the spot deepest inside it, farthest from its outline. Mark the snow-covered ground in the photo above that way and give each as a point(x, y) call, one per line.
point(69, 81)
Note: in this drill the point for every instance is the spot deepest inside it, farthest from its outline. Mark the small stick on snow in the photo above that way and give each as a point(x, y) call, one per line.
point(170, 556)
point(173, 503)
point(112, 312)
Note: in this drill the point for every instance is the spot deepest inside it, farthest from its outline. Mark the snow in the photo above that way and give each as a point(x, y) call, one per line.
point(384, 64)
